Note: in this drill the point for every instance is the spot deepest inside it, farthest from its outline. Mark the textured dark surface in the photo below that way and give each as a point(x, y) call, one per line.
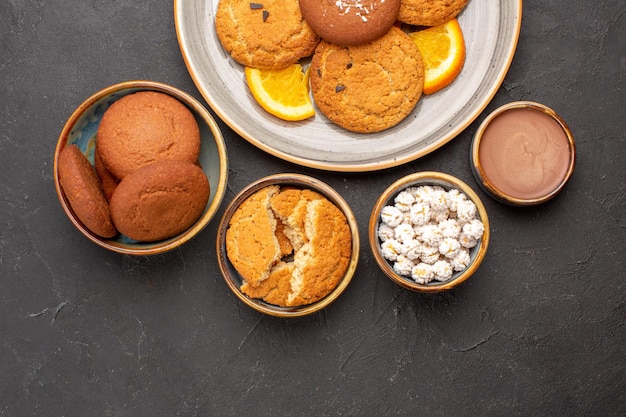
point(538, 330)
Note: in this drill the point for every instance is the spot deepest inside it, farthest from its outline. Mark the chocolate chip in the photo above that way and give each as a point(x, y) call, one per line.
point(265, 15)
point(254, 6)
point(340, 88)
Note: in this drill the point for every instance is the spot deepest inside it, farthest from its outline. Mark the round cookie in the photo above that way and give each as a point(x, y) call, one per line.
point(429, 12)
point(271, 34)
point(371, 87)
point(109, 182)
point(159, 200)
point(350, 22)
point(83, 190)
point(319, 235)
point(145, 127)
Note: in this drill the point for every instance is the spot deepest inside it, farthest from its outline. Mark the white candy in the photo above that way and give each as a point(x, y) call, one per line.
point(424, 194)
point(404, 200)
point(461, 260)
point(431, 235)
point(449, 247)
point(391, 249)
point(414, 191)
point(412, 249)
point(454, 196)
point(391, 215)
point(450, 228)
point(467, 241)
point(403, 266)
point(442, 270)
point(419, 214)
point(438, 216)
point(422, 273)
point(404, 232)
point(465, 210)
point(385, 232)
point(430, 254)
point(474, 228)
point(439, 200)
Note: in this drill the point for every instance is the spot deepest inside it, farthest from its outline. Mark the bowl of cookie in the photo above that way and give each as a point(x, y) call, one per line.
point(288, 245)
point(428, 232)
point(140, 167)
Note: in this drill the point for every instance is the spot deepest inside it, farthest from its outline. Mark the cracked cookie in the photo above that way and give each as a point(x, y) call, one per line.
point(319, 237)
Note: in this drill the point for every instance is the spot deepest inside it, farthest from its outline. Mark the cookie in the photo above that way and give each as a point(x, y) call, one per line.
point(322, 261)
point(270, 34)
point(371, 87)
point(83, 190)
point(108, 181)
point(145, 127)
point(251, 243)
point(319, 235)
point(350, 22)
point(429, 12)
point(276, 288)
point(290, 207)
point(159, 200)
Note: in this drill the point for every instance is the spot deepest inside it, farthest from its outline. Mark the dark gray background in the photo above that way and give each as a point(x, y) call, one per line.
point(538, 330)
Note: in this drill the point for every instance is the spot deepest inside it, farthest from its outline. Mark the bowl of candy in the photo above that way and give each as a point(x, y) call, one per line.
point(429, 232)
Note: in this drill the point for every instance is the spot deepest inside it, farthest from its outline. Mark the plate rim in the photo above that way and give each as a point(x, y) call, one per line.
point(389, 162)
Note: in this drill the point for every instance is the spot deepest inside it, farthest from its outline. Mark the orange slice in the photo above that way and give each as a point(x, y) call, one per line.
point(443, 51)
point(283, 93)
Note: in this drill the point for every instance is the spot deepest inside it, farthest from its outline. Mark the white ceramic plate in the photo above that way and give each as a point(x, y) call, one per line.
point(491, 29)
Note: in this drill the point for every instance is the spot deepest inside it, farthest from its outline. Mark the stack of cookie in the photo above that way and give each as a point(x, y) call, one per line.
point(147, 183)
point(367, 75)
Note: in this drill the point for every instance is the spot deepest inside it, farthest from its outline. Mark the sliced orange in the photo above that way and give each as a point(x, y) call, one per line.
point(283, 93)
point(443, 51)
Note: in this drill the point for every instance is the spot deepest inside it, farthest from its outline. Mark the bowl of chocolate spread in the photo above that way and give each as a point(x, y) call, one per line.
point(523, 153)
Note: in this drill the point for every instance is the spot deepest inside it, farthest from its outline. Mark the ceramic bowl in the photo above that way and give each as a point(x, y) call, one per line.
point(447, 182)
point(523, 154)
point(233, 278)
point(81, 130)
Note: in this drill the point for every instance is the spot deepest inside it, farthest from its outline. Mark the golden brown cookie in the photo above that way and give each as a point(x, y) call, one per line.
point(371, 87)
point(321, 263)
point(268, 34)
point(319, 235)
point(145, 127)
point(251, 243)
point(290, 207)
point(83, 190)
point(429, 12)
point(350, 22)
point(159, 200)
point(276, 288)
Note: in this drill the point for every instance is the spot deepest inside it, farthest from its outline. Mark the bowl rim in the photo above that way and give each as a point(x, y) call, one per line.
point(300, 181)
point(427, 178)
point(200, 111)
point(483, 180)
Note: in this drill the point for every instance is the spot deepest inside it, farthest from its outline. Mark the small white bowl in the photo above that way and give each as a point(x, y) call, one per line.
point(447, 182)
point(81, 128)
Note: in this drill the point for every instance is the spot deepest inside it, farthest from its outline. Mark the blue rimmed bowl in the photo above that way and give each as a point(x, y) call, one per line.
point(81, 129)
